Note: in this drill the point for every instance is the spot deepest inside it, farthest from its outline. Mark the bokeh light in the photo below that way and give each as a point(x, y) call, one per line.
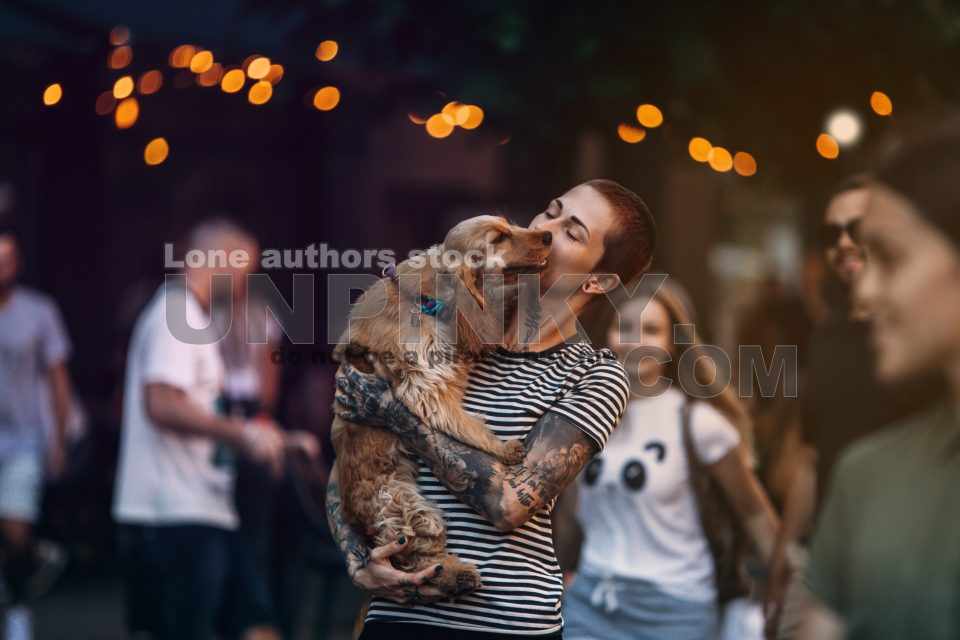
point(52, 94)
point(881, 103)
point(156, 151)
point(845, 127)
point(326, 99)
point(453, 114)
point(699, 149)
point(211, 77)
point(127, 113)
point(275, 74)
point(201, 61)
point(720, 159)
point(327, 50)
point(181, 56)
point(260, 92)
point(123, 87)
point(233, 81)
point(150, 82)
point(105, 103)
point(120, 57)
point(474, 117)
point(119, 35)
point(258, 68)
point(630, 133)
point(744, 163)
point(827, 146)
point(438, 126)
point(415, 119)
point(649, 116)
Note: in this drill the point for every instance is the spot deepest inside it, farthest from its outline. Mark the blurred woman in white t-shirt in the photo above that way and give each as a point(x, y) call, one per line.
point(646, 570)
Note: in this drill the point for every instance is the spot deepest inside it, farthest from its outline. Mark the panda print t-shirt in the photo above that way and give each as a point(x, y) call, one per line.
point(636, 503)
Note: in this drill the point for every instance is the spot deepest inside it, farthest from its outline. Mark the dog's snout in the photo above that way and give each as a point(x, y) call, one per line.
point(547, 238)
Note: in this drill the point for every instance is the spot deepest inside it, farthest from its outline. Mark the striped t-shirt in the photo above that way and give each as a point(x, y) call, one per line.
point(522, 582)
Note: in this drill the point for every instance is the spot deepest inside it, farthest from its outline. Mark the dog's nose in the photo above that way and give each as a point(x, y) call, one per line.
point(547, 238)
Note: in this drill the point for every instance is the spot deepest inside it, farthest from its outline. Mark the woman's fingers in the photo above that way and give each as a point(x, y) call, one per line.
point(385, 551)
point(381, 370)
point(426, 574)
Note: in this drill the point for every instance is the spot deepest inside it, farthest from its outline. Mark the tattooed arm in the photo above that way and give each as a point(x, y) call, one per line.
point(371, 569)
point(556, 451)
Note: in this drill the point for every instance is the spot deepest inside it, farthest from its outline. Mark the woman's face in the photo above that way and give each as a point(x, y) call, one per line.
point(643, 323)
point(579, 220)
point(911, 287)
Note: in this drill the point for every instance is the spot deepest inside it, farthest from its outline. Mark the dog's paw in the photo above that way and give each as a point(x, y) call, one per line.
point(467, 581)
point(514, 452)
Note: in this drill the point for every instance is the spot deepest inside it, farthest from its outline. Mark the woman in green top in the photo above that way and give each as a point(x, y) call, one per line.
point(886, 557)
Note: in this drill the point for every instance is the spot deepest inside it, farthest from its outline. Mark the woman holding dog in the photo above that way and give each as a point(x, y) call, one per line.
point(559, 394)
point(654, 562)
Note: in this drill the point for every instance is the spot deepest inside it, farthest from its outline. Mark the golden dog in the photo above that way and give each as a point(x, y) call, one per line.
point(408, 321)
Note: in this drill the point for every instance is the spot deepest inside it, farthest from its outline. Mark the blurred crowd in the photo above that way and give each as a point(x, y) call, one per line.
point(825, 513)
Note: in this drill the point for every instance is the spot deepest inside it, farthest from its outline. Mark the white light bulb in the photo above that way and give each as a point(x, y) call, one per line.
point(845, 127)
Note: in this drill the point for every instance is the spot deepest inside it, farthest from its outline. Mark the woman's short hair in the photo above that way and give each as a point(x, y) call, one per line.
point(628, 250)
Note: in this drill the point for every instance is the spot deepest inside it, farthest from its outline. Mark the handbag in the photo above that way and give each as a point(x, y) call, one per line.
point(725, 535)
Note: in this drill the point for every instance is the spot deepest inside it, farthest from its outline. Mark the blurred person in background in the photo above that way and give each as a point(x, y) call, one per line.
point(251, 382)
point(34, 349)
point(648, 567)
point(174, 488)
point(841, 399)
point(885, 560)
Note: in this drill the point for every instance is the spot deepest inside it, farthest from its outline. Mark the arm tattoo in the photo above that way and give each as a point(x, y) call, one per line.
point(556, 452)
point(352, 546)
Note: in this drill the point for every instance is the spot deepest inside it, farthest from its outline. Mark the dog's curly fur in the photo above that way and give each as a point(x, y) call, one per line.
point(377, 476)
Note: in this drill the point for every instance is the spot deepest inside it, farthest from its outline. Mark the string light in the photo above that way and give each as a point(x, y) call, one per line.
point(52, 94)
point(156, 151)
point(720, 159)
point(123, 87)
point(744, 163)
point(233, 81)
point(201, 61)
point(260, 92)
point(127, 113)
point(649, 116)
point(258, 68)
point(327, 50)
point(326, 99)
point(881, 103)
point(438, 126)
point(699, 149)
point(150, 82)
point(827, 146)
point(631, 134)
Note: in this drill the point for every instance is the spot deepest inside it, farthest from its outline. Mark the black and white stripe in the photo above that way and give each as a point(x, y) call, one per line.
point(522, 583)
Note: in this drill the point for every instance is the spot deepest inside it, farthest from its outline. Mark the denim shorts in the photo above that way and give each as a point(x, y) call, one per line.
point(621, 608)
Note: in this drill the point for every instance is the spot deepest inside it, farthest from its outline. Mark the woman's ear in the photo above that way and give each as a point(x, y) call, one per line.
point(600, 283)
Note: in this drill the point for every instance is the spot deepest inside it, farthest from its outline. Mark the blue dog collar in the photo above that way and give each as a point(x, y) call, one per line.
point(430, 306)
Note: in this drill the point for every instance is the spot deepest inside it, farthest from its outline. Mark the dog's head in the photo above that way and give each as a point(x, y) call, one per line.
point(473, 276)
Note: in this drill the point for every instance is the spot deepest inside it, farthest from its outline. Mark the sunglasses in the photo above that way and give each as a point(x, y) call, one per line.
point(830, 233)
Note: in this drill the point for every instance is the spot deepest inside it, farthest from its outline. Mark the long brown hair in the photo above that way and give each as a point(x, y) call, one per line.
point(680, 310)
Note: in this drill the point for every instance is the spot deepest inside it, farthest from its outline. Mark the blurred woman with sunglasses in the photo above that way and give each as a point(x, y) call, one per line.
point(885, 561)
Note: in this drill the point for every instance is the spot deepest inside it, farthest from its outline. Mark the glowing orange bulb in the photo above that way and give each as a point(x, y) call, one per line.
point(438, 126)
point(649, 116)
point(127, 113)
point(233, 81)
point(156, 151)
point(260, 92)
point(744, 163)
point(700, 149)
point(52, 94)
point(827, 146)
point(720, 159)
point(631, 134)
point(201, 61)
point(326, 99)
point(327, 50)
point(881, 103)
point(123, 87)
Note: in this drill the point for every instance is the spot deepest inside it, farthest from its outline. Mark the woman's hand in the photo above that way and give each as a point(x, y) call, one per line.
point(365, 398)
point(377, 575)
